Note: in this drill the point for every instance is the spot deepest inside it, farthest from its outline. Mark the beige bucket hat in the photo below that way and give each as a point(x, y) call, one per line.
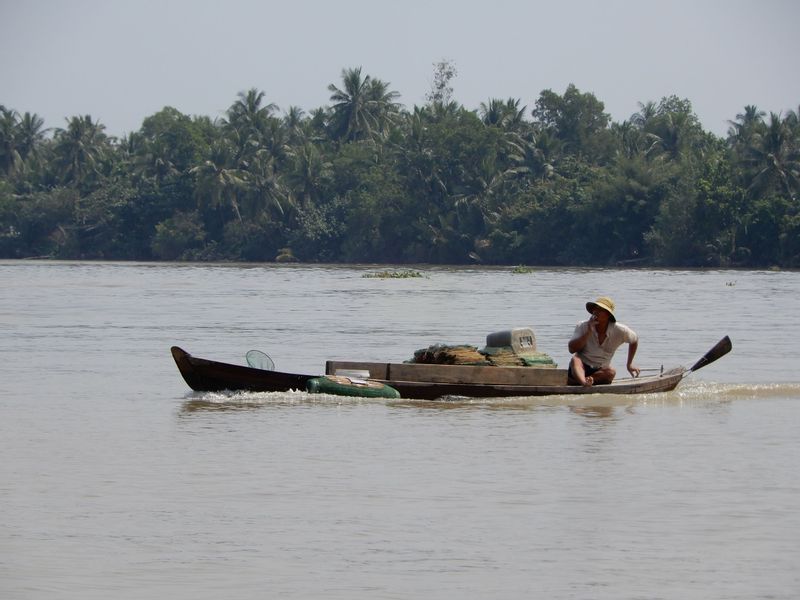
point(605, 303)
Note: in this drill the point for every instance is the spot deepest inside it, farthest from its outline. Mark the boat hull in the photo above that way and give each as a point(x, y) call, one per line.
point(209, 376)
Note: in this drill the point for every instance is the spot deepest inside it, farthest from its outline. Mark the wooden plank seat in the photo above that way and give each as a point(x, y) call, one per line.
point(432, 373)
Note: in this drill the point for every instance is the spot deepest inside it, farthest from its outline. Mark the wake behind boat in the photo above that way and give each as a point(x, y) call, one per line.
point(425, 381)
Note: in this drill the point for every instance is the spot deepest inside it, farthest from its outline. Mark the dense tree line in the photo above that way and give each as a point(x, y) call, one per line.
point(366, 180)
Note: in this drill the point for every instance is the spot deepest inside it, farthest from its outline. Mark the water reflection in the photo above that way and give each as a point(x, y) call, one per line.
point(593, 412)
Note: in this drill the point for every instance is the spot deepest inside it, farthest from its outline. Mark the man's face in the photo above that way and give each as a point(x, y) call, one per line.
point(600, 315)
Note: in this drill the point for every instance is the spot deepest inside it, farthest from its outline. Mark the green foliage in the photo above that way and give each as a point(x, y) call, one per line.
point(39, 225)
point(522, 270)
point(365, 180)
point(790, 241)
point(577, 119)
point(170, 143)
point(178, 236)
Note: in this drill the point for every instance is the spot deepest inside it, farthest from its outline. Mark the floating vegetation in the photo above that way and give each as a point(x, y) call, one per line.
point(522, 270)
point(393, 275)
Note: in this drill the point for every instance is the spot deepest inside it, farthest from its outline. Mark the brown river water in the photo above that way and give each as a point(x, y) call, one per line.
point(117, 481)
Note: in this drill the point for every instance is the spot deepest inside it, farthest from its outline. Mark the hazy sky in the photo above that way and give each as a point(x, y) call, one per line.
point(123, 60)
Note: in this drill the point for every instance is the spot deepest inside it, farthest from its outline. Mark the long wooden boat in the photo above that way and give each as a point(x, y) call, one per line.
point(429, 382)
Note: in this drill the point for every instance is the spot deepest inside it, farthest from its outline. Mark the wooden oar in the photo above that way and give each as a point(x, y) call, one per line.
point(721, 348)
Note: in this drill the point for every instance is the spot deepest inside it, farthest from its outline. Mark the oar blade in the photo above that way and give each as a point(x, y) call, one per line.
point(721, 348)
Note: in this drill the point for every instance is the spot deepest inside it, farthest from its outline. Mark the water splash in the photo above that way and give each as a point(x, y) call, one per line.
point(695, 392)
point(241, 400)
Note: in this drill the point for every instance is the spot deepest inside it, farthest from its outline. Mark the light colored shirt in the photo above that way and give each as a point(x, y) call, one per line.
point(599, 355)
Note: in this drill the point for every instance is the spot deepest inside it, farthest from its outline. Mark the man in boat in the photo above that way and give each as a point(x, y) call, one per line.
point(594, 343)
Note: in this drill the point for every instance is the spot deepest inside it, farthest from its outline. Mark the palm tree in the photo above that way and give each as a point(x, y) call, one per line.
point(382, 102)
point(637, 136)
point(219, 182)
point(247, 114)
point(10, 157)
point(263, 186)
point(30, 134)
point(79, 150)
point(362, 107)
point(352, 118)
point(792, 121)
point(529, 159)
point(746, 125)
point(310, 171)
point(775, 158)
point(276, 139)
point(475, 199)
point(296, 125)
point(504, 114)
point(647, 111)
point(492, 112)
point(672, 133)
point(441, 111)
point(423, 170)
point(153, 160)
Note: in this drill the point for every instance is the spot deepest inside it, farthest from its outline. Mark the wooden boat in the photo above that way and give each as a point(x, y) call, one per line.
point(429, 382)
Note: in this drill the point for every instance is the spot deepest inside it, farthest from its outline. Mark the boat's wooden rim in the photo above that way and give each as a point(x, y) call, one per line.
point(437, 373)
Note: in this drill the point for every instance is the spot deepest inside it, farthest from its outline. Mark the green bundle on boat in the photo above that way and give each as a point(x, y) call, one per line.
point(505, 356)
point(347, 386)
